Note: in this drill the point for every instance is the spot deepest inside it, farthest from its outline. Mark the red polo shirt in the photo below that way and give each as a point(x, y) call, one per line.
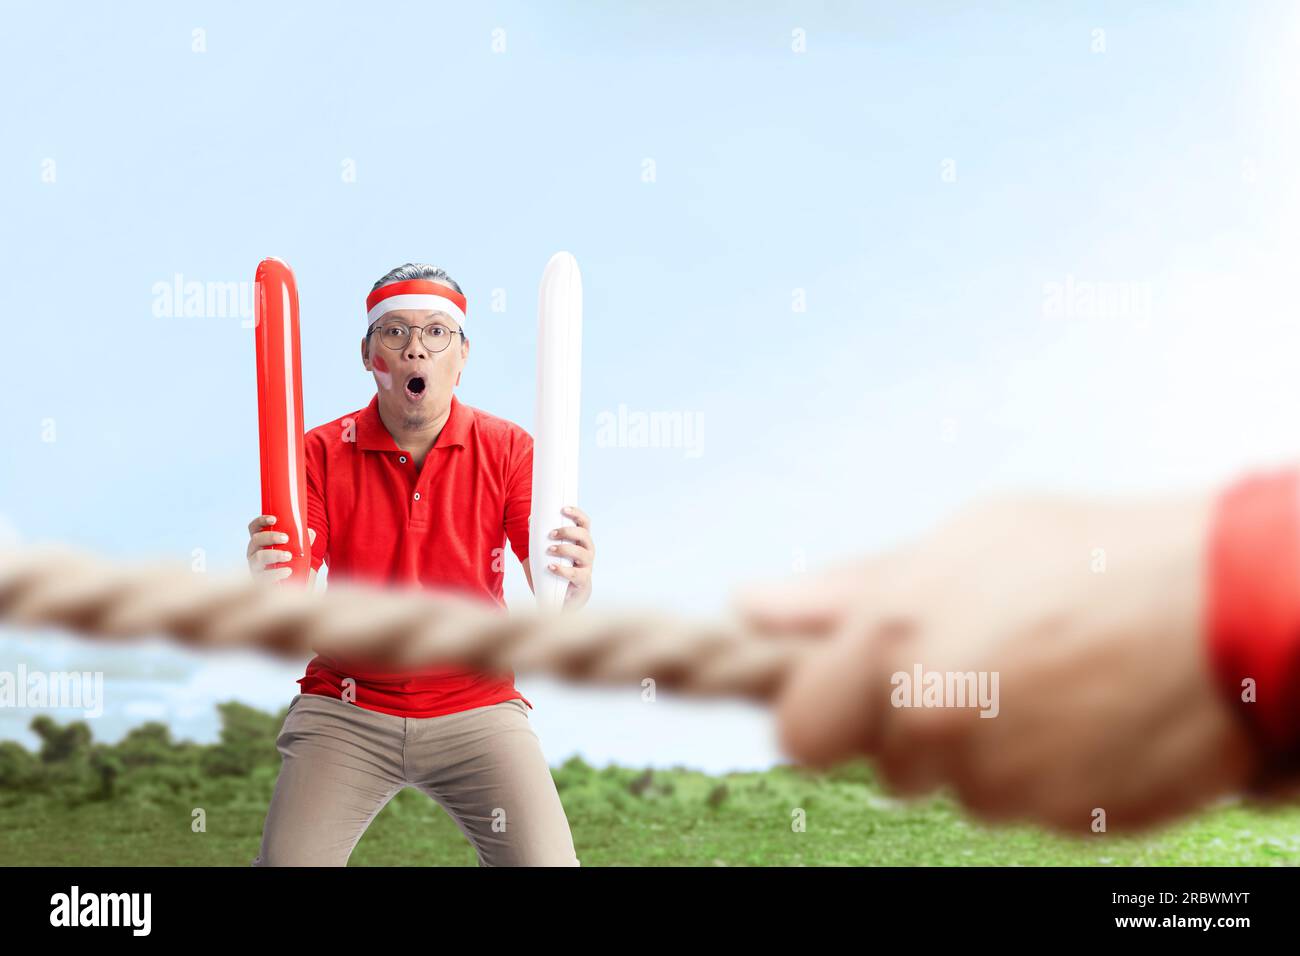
point(381, 520)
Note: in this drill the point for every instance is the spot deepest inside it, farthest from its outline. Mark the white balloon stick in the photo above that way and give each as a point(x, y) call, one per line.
point(555, 437)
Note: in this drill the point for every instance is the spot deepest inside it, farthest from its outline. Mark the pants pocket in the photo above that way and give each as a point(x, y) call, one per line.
point(288, 718)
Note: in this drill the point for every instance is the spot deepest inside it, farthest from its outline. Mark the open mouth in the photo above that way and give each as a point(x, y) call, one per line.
point(415, 387)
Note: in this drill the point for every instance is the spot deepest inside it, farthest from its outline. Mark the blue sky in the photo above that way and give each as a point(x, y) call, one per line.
point(844, 269)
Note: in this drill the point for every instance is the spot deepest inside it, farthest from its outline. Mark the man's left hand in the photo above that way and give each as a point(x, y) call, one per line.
point(574, 541)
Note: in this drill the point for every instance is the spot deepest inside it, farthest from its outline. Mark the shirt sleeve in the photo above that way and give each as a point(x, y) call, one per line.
point(317, 517)
point(519, 495)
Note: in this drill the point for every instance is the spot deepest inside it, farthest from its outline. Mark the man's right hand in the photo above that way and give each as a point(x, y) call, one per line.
point(260, 556)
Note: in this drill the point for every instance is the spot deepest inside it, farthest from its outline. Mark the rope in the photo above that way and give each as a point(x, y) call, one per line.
point(56, 586)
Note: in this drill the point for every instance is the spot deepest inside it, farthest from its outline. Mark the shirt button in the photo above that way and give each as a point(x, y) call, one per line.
point(417, 496)
point(402, 459)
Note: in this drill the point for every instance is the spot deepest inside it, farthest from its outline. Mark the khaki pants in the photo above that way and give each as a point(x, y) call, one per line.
point(343, 763)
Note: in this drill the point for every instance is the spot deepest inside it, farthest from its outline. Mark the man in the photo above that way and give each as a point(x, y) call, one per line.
point(417, 490)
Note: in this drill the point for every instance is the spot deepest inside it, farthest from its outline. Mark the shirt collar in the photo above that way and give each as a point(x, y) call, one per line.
point(373, 436)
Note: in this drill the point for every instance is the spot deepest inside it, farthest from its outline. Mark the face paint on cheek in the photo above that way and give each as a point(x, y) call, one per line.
point(381, 371)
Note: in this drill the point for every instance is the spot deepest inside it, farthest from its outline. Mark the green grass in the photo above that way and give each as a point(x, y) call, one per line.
point(627, 817)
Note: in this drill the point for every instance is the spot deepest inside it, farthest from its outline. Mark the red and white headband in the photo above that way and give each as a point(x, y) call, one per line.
point(415, 294)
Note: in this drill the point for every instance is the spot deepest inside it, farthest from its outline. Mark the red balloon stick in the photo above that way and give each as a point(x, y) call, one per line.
point(279, 412)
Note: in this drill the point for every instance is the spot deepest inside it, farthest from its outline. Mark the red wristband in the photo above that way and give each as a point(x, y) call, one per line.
point(1253, 610)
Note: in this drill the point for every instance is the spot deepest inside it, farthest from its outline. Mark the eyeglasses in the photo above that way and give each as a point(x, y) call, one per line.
point(395, 335)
